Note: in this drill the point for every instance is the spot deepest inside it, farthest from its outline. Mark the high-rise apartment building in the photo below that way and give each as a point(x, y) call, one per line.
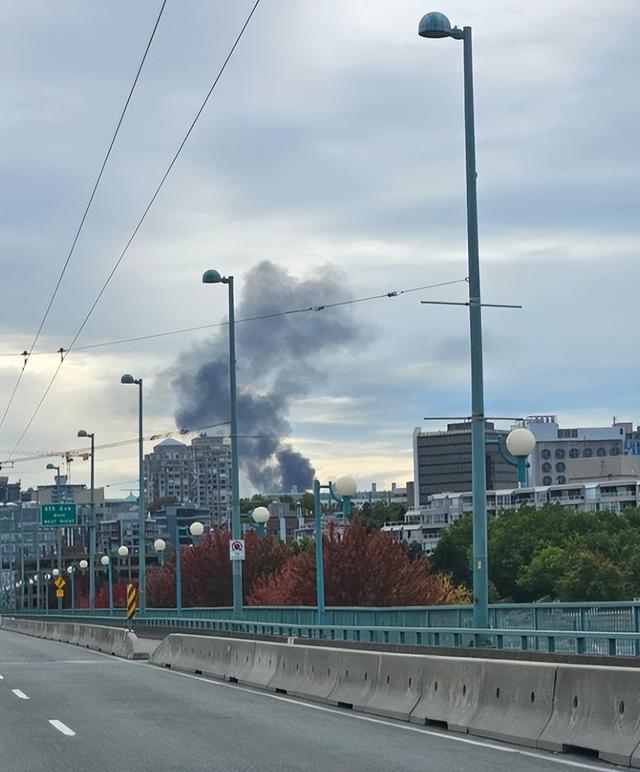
point(198, 474)
point(212, 475)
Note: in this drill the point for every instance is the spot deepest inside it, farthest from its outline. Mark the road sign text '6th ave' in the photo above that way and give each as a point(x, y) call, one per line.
point(58, 514)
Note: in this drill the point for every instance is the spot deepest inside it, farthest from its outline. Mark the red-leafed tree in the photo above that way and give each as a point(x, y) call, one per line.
point(119, 595)
point(206, 570)
point(361, 569)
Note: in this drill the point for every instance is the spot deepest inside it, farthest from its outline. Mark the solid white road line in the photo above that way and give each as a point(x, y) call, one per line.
point(20, 694)
point(62, 727)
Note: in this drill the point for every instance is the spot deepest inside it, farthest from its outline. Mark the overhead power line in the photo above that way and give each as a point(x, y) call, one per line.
point(306, 309)
point(86, 451)
point(137, 227)
point(65, 265)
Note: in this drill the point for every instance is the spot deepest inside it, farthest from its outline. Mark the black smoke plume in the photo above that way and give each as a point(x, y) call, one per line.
point(278, 360)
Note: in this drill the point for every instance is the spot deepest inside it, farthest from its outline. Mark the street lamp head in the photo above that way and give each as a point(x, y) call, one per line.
point(47, 576)
point(196, 529)
point(127, 378)
point(260, 515)
point(83, 565)
point(51, 466)
point(56, 572)
point(434, 25)
point(345, 486)
point(211, 277)
point(123, 550)
point(104, 560)
point(520, 442)
point(70, 570)
point(159, 545)
point(83, 433)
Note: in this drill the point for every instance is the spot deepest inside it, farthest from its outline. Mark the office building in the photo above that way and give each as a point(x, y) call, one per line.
point(442, 461)
point(572, 455)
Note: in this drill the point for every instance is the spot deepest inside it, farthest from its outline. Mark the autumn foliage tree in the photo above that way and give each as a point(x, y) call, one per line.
point(206, 570)
point(362, 568)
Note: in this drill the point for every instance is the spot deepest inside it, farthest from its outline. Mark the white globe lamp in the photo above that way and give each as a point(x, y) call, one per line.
point(520, 442)
point(260, 515)
point(345, 486)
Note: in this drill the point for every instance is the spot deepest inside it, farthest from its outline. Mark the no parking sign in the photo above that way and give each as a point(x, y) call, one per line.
point(236, 549)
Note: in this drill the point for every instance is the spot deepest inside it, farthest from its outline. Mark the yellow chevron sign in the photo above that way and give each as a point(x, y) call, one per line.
point(132, 600)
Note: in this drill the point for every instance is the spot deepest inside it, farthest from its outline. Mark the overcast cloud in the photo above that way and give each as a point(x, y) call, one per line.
point(335, 138)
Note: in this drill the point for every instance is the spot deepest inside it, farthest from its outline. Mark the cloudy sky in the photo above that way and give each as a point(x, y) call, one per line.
point(332, 147)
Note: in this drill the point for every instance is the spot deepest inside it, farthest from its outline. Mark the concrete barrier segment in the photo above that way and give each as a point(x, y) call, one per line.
point(515, 701)
point(450, 693)
point(596, 708)
point(357, 677)
point(398, 686)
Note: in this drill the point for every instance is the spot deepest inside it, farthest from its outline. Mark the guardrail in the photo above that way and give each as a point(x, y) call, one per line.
point(597, 617)
point(591, 642)
point(608, 643)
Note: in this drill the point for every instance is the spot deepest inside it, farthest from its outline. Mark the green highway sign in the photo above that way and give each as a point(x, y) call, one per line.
point(59, 514)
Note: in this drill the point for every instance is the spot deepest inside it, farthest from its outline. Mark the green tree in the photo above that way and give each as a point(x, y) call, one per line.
point(306, 501)
point(540, 577)
point(590, 576)
point(453, 552)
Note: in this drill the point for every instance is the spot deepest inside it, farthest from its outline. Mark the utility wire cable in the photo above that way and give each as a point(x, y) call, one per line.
point(84, 214)
point(137, 227)
point(324, 307)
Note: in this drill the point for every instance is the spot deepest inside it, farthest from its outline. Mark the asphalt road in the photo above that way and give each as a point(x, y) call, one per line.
point(66, 708)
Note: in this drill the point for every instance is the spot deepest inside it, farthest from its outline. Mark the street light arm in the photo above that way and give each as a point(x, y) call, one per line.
point(499, 441)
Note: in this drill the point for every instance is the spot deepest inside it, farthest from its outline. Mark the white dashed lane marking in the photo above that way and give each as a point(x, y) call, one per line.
point(20, 694)
point(62, 727)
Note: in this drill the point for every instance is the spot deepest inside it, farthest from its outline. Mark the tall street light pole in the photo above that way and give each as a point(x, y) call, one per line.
point(436, 25)
point(59, 540)
point(214, 277)
point(142, 595)
point(92, 524)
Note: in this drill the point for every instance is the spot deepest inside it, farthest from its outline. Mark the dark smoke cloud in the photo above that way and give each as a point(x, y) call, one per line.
point(278, 360)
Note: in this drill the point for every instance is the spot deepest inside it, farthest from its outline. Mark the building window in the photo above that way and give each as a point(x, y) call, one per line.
point(587, 452)
point(546, 480)
point(559, 453)
point(614, 452)
point(546, 467)
point(546, 453)
point(561, 479)
point(561, 466)
point(600, 452)
point(574, 453)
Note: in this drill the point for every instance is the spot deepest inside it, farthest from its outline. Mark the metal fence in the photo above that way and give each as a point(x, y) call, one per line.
point(580, 628)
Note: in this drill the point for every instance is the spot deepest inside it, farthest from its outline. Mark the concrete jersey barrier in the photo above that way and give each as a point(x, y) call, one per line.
point(598, 709)
point(398, 686)
point(110, 640)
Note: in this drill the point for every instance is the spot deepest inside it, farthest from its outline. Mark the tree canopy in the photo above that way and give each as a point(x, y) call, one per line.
point(552, 552)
